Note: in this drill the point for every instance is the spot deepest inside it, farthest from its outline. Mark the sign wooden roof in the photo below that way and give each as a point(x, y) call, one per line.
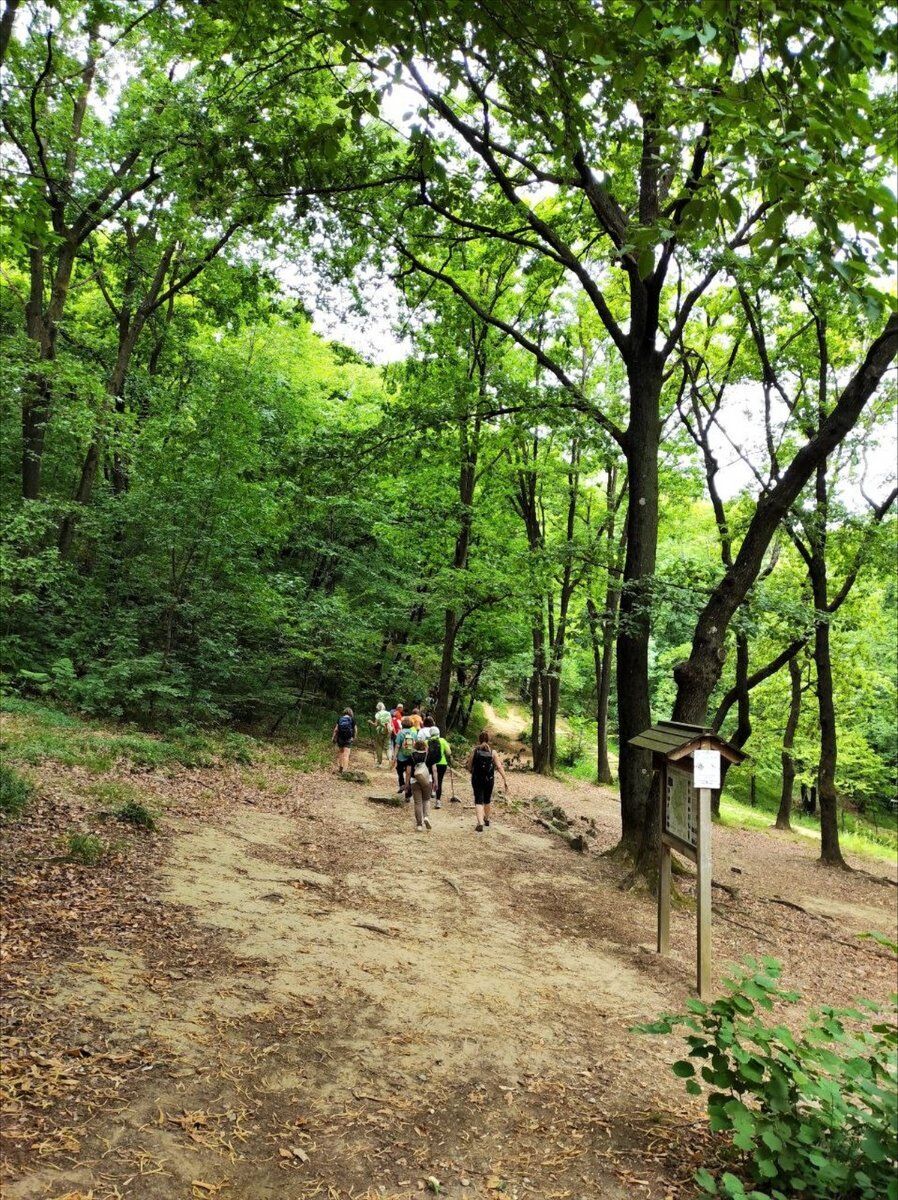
point(675, 740)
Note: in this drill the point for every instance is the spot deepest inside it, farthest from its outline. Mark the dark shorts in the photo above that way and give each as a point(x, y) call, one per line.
point(342, 745)
point(483, 790)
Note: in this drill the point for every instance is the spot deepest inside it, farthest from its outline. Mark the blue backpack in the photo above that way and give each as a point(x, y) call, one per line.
point(345, 727)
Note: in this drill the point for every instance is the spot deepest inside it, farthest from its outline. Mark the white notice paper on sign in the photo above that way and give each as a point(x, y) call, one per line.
point(706, 768)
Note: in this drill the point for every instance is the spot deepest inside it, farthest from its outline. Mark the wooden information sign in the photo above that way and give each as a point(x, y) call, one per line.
point(680, 811)
point(687, 758)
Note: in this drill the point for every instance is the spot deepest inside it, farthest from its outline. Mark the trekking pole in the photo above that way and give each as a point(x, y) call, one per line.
point(452, 780)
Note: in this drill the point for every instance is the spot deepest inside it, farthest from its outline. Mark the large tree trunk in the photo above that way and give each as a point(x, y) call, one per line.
point(830, 852)
point(639, 834)
point(450, 629)
point(783, 816)
point(554, 691)
point(742, 732)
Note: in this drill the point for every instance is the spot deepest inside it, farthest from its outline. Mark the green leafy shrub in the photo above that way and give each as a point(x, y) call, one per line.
point(85, 848)
point(571, 751)
point(15, 792)
point(56, 680)
point(813, 1114)
point(135, 813)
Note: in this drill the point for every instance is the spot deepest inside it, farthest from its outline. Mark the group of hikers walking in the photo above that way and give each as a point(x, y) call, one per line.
point(421, 755)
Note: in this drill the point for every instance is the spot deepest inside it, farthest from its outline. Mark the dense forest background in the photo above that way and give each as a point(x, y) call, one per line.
point(214, 514)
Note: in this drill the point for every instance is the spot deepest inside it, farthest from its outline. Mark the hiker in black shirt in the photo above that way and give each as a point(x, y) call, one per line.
point(483, 762)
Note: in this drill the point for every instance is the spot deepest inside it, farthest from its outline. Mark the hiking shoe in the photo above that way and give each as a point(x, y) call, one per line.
point(419, 829)
point(438, 804)
point(486, 821)
point(478, 828)
point(427, 824)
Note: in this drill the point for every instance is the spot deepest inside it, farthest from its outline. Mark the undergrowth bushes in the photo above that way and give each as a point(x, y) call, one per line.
point(811, 1115)
point(132, 812)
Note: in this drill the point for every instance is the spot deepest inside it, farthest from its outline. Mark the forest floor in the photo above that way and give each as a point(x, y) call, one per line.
point(285, 991)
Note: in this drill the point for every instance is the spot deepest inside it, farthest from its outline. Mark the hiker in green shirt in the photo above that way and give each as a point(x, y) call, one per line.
point(444, 761)
point(381, 727)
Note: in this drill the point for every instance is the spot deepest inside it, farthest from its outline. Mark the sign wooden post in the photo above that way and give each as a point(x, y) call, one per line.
point(664, 898)
point(705, 776)
point(687, 758)
point(703, 895)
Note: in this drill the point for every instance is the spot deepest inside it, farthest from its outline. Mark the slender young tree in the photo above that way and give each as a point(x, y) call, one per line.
point(796, 691)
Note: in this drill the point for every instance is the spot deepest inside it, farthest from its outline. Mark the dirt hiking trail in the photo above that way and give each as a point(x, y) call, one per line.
point(309, 999)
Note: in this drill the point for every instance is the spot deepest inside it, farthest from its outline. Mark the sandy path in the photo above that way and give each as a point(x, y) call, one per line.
point(511, 725)
point(419, 1046)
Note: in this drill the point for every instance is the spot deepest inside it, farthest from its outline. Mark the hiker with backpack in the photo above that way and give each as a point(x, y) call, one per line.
point(483, 762)
point(382, 726)
point(405, 745)
point(444, 762)
point(422, 789)
point(343, 736)
point(396, 715)
point(434, 754)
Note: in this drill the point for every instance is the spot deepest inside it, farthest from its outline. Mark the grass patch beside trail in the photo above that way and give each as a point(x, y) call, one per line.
point(856, 835)
point(309, 747)
point(585, 770)
point(477, 720)
point(34, 733)
point(86, 849)
point(581, 745)
point(15, 792)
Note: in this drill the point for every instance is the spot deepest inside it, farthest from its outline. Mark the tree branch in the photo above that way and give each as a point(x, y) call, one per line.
point(765, 672)
point(532, 347)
